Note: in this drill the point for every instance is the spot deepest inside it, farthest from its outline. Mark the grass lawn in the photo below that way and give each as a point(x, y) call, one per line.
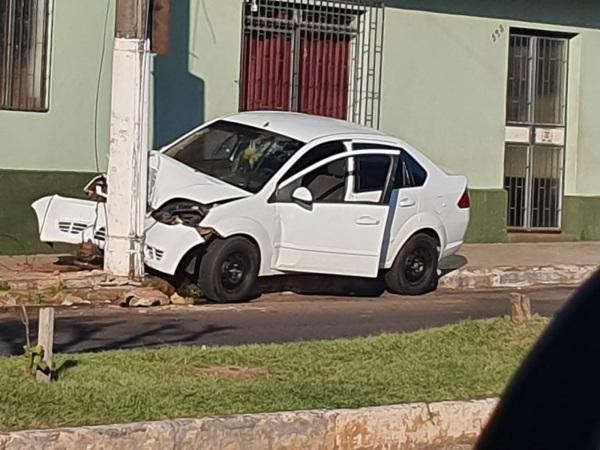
point(473, 359)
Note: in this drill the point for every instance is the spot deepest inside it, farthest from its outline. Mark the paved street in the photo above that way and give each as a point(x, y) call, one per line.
point(273, 318)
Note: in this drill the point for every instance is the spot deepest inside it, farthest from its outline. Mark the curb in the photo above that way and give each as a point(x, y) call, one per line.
point(460, 279)
point(72, 280)
point(516, 277)
point(409, 426)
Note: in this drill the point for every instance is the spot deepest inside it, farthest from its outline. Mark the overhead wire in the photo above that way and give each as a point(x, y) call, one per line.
point(99, 83)
point(96, 112)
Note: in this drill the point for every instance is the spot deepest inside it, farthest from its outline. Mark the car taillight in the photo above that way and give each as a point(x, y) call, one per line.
point(464, 201)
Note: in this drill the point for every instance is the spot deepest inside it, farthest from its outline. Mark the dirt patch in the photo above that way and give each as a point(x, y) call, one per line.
point(233, 372)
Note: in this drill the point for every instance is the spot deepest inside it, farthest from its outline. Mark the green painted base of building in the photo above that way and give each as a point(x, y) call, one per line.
point(488, 216)
point(580, 220)
point(581, 217)
point(19, 229)
point(18, 224)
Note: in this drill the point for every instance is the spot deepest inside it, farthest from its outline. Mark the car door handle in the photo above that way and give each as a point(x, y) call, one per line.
point(367, 220)
point(406, 203)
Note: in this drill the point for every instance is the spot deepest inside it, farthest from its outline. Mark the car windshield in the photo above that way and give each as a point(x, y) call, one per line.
point(244, 156)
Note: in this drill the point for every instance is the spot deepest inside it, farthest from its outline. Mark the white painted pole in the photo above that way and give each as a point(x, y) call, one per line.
point(128, 159)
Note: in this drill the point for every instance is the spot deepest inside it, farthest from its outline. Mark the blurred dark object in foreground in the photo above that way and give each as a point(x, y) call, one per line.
point(553, 401)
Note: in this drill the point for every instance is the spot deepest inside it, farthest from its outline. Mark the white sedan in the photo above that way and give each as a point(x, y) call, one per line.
point(257, 194)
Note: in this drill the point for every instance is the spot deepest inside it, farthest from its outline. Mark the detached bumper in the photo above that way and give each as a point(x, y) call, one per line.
point(70, 220)
point(75, 221)
point(166, 245)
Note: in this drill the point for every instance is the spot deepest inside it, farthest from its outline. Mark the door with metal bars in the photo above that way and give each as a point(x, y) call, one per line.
point(319, 57)
point(535, 131)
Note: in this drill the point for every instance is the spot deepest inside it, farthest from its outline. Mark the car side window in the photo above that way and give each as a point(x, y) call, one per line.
point(327, 183)
point(409, 172)
point(371, 172)
point(316, 154)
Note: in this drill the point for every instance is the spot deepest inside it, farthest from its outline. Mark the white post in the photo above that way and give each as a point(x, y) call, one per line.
point(128, 160)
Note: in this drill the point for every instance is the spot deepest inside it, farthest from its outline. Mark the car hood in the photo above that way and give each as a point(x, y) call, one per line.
point(169, 179)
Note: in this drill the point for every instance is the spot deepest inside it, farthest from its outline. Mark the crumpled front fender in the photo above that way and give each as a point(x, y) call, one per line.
point(166, 245)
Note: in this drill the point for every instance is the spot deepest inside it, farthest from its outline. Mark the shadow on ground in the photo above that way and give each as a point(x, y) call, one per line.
point(323, 285)
point(452, 263)
point(88, 335)
point(343, 286)
point(318, 285)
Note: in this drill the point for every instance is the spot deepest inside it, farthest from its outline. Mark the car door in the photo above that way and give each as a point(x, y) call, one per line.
point(331, 234)
point(405, 194)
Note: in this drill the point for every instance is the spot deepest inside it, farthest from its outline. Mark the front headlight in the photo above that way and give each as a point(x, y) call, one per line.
point(97, 188)
point(183, 212)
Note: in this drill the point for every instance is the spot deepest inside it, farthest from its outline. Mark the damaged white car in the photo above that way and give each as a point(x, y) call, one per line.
point(268, 193)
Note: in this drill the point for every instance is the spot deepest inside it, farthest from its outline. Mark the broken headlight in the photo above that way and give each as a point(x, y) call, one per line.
point(97, 188)
point(183, 212)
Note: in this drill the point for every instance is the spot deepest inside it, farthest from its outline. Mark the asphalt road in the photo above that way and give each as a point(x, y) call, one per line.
point(273, 318)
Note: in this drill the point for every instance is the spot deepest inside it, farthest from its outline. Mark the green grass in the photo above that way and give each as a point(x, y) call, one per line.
point(473, 359)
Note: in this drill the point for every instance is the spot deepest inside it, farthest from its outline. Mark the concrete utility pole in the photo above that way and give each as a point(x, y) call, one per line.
point(128, 160)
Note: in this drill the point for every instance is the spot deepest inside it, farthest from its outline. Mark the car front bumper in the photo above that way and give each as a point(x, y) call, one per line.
point(166, 245)
point(75, 221)
point(70, 220)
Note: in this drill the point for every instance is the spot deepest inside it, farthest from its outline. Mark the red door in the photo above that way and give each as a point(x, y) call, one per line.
point(267, 74)
point(323, 73)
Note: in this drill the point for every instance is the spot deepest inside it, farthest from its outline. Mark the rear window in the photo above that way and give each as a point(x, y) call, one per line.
point(371, 172)
point(409, 172)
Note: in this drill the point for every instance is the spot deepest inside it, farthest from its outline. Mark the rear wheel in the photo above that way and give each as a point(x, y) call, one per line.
point(414, 271)
point(229, 269)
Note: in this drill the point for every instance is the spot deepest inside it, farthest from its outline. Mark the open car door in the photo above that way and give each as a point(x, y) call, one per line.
point(321, 230)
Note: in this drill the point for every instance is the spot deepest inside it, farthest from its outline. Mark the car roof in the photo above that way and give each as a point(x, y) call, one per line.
point(302, 127)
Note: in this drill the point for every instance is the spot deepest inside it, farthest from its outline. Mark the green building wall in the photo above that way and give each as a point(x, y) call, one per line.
point(444, 91)
point(65, 137)
point(58, 151)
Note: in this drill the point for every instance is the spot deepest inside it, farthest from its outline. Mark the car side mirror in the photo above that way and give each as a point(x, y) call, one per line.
point(302, 195)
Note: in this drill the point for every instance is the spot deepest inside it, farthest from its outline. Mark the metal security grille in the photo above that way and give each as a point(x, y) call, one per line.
point(314, 56)
point(24, 30)
point(535, 131)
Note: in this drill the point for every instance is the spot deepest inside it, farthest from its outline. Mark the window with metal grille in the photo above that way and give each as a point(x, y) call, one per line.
point(319, 57)
point(24, 26)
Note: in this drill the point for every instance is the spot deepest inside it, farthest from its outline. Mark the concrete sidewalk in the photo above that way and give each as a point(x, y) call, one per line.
point(477, 266)
point(532, 254)
point(483, 266)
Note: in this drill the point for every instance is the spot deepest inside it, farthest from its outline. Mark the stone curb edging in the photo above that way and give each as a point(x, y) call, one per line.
point(467, 278)
point(516, 277)
point(72, 280)
point(409, 426)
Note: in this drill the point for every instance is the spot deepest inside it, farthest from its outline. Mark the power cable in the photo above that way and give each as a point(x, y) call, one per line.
point(100, 69)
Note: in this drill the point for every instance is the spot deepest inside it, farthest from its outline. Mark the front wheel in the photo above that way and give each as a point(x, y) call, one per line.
point(414, 271)
point(229, 270)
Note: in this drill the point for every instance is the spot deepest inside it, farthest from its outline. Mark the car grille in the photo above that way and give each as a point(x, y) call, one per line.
point(154, 253)
point(71, 227)
point(100, 235)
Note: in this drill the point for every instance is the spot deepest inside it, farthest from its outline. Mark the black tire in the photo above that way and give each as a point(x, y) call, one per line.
point(414, 271)
point(229, 270)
